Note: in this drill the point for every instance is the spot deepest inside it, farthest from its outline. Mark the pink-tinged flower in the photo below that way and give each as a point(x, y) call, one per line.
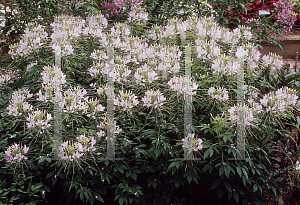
point(107, 5)
point(16, 153)
point(153, 98)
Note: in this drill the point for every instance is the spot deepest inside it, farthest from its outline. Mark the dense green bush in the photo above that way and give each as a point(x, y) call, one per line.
point(150, 138)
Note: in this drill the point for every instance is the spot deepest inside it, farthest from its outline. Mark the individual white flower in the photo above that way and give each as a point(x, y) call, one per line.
point(297, 166)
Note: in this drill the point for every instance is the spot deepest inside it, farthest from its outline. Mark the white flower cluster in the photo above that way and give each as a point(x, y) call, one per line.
point(279, 100)
point(95, 26)
point(65, 28)
point(145, 73)
point(191, 143)
point(30, 41)
point(93, 106)
point(274, 61)
point(86, 143)
point(220, 94)
point(103, 125)
point(38, 118)
point(179, 84)
point(73, 100)
point(121, 73)
point(7, 75)
point(18, 102)
point(207, 50)
point(126, 100)
point(16, 152)
point(248, 114)
point(73, 151)
point(138, 14)
point(153, 98)
point(50, 75)
point(225, 65)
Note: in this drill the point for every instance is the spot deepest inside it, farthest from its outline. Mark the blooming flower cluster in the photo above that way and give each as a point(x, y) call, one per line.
point(138, 14)
point(191, 143)
point(103, 125)
point(7, 76)
point(248, 114)
point(70, 151)
point(50, 76)
point(66, 28)
point(225, 65)
point(86, 143)
point(18, 103)
point(286, 13)
point(33, 39)
point(95, 25)
point(179, 84)
point(274, 61)
point(126, 100)
point(153, 98)
point(120, 5)
point(38, 118)
point(279, 100)
point(73, 100)
point(16, 153)
point(220, 94)
point(145, 73)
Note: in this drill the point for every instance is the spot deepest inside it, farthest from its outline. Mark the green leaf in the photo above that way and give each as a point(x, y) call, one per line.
point(189, 178)
point(245, 172)
point(255, 187)
point(227, 170)
point(216, 183)
point(227, 185)
point(236, 196)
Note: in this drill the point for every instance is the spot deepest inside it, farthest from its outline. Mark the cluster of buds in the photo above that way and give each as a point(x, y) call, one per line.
point(18, 102)
point(16, 152)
